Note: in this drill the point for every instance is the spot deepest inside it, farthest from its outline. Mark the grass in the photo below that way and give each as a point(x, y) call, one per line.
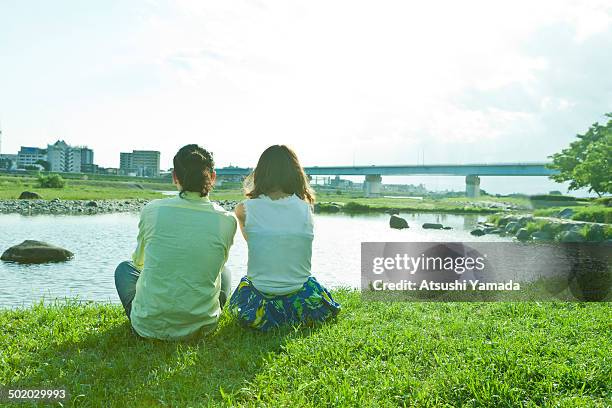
point(356, 203)
point(592, 213)
point(12, 187)
point(375, 354)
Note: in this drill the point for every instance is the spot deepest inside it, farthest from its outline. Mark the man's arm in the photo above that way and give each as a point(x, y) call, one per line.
point(138, 255)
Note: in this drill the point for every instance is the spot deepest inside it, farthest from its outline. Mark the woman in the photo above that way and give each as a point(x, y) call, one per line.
point(276, 221)
point(176, 286)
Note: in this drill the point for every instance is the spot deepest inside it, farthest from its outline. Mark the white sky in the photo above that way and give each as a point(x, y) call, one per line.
point(370, 82)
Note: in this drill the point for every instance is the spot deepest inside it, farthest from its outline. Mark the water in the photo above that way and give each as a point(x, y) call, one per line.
point(100, 242)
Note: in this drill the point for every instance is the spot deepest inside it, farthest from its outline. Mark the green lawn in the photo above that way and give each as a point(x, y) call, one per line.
point(375, 354)
point(12, 187)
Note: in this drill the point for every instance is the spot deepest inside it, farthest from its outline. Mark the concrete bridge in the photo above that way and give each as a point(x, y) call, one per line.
point(373, 174)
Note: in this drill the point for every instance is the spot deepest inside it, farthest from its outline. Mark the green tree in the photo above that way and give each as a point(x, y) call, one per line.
point(51, 181)
point(45, 164)
point(587, 162)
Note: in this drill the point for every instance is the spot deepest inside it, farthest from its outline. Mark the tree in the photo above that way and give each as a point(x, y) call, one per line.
point(587, 162)
point(51, 181)
point(45, 164)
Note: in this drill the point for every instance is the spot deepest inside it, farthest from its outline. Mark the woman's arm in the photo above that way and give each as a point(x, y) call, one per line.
point(241, 215)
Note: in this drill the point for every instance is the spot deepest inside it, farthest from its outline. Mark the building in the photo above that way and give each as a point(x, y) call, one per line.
point(143, 163)
point(28, 156)
point(65, 158)
point(126, 163)
point(87, 156)
point(8, 161)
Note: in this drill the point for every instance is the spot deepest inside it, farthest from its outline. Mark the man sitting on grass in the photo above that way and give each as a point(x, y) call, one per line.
point(177, 284)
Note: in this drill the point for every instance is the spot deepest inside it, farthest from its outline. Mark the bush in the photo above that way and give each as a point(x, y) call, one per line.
point(552, 197)
point(51, 181)
point(353, 207)
point(594, 214)
point(605, 201)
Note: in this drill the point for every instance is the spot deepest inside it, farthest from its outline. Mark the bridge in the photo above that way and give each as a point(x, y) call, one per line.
point(373, 174)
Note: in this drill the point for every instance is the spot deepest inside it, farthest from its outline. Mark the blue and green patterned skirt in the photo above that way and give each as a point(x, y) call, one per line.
point(308, 305)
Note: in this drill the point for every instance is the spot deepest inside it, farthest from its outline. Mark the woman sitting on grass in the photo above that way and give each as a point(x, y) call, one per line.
point(177, 284)
point(276, 222)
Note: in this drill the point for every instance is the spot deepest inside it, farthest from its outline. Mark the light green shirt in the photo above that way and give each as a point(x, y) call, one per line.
point(183, 244)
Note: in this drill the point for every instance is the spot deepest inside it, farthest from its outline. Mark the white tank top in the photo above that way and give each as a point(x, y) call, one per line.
point(279, 237)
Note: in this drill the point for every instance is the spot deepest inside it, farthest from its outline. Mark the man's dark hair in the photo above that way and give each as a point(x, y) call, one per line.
point(193, 167)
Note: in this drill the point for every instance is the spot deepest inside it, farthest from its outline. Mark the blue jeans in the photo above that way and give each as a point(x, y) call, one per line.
point(126, 276)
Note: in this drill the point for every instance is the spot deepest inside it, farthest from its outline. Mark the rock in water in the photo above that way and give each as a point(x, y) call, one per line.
point(430, 225)
point(31, 252)
point(397, 222)
point(477, 232)
point(523, 235)
point(569, 236)
point(91, 204)
point(29, 195)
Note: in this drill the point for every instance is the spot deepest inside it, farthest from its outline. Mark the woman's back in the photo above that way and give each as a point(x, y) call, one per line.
point(280, 234)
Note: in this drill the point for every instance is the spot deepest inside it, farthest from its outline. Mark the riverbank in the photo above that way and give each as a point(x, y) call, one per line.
point(532, 228)
point(87, 207)
point(355, 204)
point(375, 354)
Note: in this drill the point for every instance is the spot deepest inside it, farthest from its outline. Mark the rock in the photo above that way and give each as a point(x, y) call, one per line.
point(523, 235)
point(30, 195)
point(430, 225)
point(477, 232)
point(566, 213)
point(55, 201)
point(489, 230)
point(91, 204)
point(447, 228)
point(522, 221)
point(542, 236)
point(569, 236)
point(397, 222)
point(503, 221)
point(512, 227)
point(36, 252)
point(595, 233)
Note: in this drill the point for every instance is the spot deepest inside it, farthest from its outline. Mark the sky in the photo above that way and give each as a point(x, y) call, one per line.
point(342, 81)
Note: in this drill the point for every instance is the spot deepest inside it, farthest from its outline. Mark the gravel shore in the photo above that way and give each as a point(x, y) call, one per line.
point(74, 207)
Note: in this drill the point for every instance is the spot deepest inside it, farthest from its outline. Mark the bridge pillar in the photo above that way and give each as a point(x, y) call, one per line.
point(472, 186)
point(373, 185)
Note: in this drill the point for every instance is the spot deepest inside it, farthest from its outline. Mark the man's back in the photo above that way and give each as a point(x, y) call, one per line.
point(183, 244)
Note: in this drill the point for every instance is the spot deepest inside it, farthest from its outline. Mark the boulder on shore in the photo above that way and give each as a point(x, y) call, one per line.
point(477, 232)
point(397, 222)
point(431, 225)
point(523, 235)
point(31, 252)
point(29, 195)
point(570, 236)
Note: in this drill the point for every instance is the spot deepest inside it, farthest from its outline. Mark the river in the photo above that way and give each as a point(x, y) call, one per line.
point(100, 242)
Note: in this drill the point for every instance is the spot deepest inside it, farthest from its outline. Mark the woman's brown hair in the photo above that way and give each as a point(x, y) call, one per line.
point(193, 167)
point(279, 169)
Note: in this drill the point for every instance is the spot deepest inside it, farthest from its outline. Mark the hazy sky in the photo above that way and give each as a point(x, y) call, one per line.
point(340, 81)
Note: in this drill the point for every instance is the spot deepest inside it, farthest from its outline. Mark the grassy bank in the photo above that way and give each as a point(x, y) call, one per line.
point(375, 354)
point(77, 189)
point(463, 205)
point(592, 213)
